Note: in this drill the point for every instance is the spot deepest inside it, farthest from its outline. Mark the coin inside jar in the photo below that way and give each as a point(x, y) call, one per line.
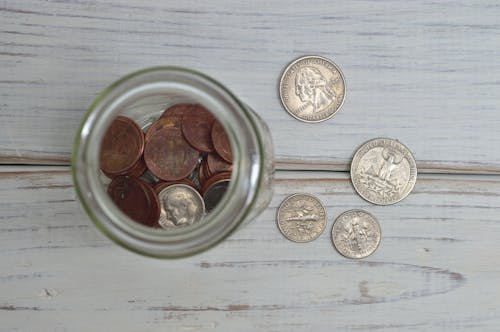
point(121, 147)
point(197, 128)
point(221, 142)
point(167, 155)
point(214, 189)
point(136, 199)
point(181, 205)
point(216, 164)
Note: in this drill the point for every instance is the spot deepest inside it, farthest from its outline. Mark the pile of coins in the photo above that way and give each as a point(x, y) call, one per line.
point(171, 173)
point(383, 171)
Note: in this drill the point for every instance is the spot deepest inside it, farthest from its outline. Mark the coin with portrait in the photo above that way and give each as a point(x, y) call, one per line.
point(312, 89)
point(181, 205)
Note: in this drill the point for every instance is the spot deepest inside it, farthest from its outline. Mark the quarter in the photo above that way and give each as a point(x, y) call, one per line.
point(383, 171)
point(312, 89)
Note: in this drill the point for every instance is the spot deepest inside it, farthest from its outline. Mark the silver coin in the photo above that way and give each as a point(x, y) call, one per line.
point(301, 218)
point(214, 194)
point(312, 89)
point(181, 205)
point(383, 171)
point(356, 234)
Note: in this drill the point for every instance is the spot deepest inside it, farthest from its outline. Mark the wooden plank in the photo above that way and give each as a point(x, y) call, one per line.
point(423, 72)
point(436, 268)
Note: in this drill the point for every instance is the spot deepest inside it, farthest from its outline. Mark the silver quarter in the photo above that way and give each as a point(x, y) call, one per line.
point(312, 89)
point(356, 234)
point(383, 171)
point(181, 205)
point(301, 218)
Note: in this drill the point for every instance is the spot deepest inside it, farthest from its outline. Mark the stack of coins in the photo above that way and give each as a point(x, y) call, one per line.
point(168, 174)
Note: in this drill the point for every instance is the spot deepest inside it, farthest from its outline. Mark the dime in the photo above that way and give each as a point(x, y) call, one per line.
point(312, 89)
point(136, 199)
point(121, 147)
point(301, 218)
point(167, 155)
point(383, 171)
point(214, 189)
point(221, 142)
point(197, 128)
point(181, 205)
point(356, 234)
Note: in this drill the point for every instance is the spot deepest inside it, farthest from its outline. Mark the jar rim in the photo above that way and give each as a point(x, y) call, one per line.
point(236, 203)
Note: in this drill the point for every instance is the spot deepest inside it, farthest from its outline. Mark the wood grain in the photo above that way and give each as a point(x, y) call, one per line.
point(435, 270)
point(423, 72)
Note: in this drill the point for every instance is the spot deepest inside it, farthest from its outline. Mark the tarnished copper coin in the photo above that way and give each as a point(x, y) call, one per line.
point(177, 110)
point(214, 189)
point(197, 128)
point(138, 169)
point(121, 147)
point(216, 164)
point(167, 154)
point(164, 184)
point(136, 199)
point(221, 142)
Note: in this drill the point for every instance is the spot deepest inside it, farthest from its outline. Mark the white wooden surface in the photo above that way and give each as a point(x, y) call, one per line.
point(425, 72)
point(435, 270)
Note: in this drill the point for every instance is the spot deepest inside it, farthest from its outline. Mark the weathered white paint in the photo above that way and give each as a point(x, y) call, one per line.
point(425, 72)
point(435, 270)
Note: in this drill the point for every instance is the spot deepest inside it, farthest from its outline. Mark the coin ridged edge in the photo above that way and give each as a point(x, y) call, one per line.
point(283, 74)
point(301, 194)
point(376, 223)
point(355, 162)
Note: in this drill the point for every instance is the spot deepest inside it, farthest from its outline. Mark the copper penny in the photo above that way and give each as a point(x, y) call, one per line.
point(216, 164)
point(164, 184)
point(177, 110)
point(221, 142)
point(121, 147)
point(138, 169)
point(167, 154)
point(136, 199)
point(197, 128)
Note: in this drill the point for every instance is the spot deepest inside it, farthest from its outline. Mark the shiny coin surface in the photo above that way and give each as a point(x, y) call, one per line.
point(167, 154)
point(121, 147)
point(221, 142)
point(136, 199)
point(312, 89)
point(383, 171)
point(356, 234)
point(197, 128)
point(177, 110)
point(181, 205)
point(301, 218)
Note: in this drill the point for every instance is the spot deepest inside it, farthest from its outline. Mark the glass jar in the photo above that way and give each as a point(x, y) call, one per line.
point(143, 96)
